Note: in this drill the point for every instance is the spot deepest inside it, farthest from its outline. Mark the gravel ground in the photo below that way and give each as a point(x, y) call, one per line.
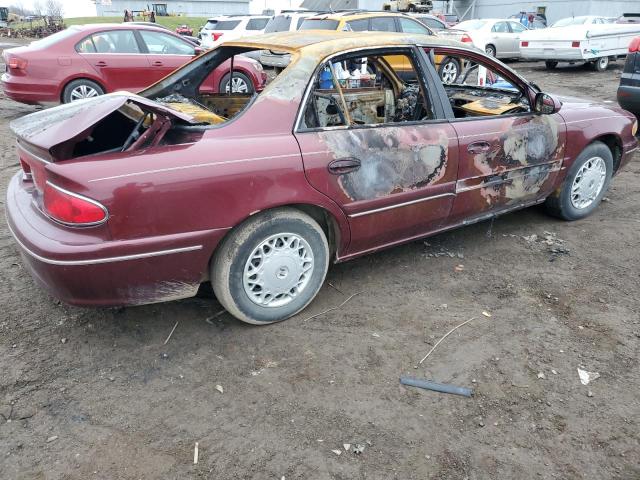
point(96, 394)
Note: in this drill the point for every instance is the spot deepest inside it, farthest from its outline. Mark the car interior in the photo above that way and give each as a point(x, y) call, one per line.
point(480, 90)
point(366, 90)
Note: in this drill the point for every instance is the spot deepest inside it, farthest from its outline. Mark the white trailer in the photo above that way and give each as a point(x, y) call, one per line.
point(595, 44)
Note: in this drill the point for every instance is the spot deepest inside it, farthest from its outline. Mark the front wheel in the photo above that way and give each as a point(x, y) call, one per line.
point(240, 83)
point(271, 267)
point(586, 183)
point(449, 70)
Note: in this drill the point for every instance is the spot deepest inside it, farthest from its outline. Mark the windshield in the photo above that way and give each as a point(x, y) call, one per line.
point(565, 22)
point(279, 23)
point(471, 25)
point(55, 38)
point(319, 24)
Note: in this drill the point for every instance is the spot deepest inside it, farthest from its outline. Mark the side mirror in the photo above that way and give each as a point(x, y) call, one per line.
point(546, 104)
point(198, 51)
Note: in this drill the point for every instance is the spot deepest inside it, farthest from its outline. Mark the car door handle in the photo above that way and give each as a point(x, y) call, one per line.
point(101, 64)
point(343, 165)
point(478, 147)
point(157, 63)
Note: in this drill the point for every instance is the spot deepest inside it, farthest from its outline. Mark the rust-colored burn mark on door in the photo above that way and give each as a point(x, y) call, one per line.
point(393, 159)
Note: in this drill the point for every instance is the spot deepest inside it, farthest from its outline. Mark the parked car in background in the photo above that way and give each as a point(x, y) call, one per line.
point(132, 199)
point(497, 37)
point(449, 18)
point(285, 22)
point(531, 20)
point(90, 60)
point(594, 43)
point(230, 27)
point(629, 18)
point(582, 20)
point(629, 89)
point(184, 30)
point(431, 21)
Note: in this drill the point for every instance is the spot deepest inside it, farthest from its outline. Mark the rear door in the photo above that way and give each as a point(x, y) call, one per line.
point(516, 30)
point(117, 58)
point(165, 53)
point(380, 148)
point(501, 38)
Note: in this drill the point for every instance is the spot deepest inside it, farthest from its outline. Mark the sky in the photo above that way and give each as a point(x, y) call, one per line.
point(72, 8)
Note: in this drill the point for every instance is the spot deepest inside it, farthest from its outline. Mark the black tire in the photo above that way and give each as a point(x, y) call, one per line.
point(550, 64)
point(241, 77)
point(77, 85)
point(560, 203)
point(450, 67)
point(490, 50)
point(232, 258)
point(601, 64)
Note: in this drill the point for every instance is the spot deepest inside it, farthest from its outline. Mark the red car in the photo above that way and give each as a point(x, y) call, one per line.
point(129, 199)
point(184, 30)
point(87, 61)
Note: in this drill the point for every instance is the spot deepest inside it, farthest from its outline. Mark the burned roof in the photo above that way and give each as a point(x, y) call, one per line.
point(326, 42)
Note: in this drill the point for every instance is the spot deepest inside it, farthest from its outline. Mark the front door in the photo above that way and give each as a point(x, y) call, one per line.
point(509, 156)
point(165, 53)
point(379, 148)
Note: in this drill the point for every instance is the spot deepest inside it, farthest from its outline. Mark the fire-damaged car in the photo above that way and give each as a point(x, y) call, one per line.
point(130, 199)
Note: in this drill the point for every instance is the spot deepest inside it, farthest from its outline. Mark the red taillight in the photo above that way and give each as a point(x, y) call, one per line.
point(634, 46)
point(216, 35)
point(575, 44)
point(72, 209)
point(524, 44)
point(466, 39)
point(17, 63)
point(26, 168)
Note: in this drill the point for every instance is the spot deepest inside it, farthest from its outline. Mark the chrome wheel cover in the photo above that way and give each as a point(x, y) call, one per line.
point(278, 270)
point(449, 72)
point(239, 86)
point(490, 51)
point(588, 183)
point(603, 62)
point(83, 91)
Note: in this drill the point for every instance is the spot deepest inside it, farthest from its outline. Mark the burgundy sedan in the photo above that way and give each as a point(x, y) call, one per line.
point(130, 199)
point(90, 60)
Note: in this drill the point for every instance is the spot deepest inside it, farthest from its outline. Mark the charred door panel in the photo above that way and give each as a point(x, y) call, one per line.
point(506, 162)
point(393, 182)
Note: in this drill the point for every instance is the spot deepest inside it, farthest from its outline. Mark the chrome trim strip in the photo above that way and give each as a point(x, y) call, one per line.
point(595, 118)
point(96, 261)
point(391, 207)
point(199, 165)
point(81, 197)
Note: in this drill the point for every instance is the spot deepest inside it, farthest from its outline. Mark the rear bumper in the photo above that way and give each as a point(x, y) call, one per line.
point(556, 54)
point(25, 90)
point(629, 98)
point(81, 269)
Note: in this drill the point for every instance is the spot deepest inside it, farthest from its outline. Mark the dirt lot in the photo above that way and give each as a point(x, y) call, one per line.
point(96, 394)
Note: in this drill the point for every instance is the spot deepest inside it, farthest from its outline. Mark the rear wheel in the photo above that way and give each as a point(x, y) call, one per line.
point(240, 83)
point(271, 267)
point(490, 50)
point(550, 64)
point(80, 89)
point(449, 70)
point(586, 183)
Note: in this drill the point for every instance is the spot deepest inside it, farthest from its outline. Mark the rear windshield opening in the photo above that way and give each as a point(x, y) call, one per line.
point(279, 23)
point(211, 25)
point(215, 88)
